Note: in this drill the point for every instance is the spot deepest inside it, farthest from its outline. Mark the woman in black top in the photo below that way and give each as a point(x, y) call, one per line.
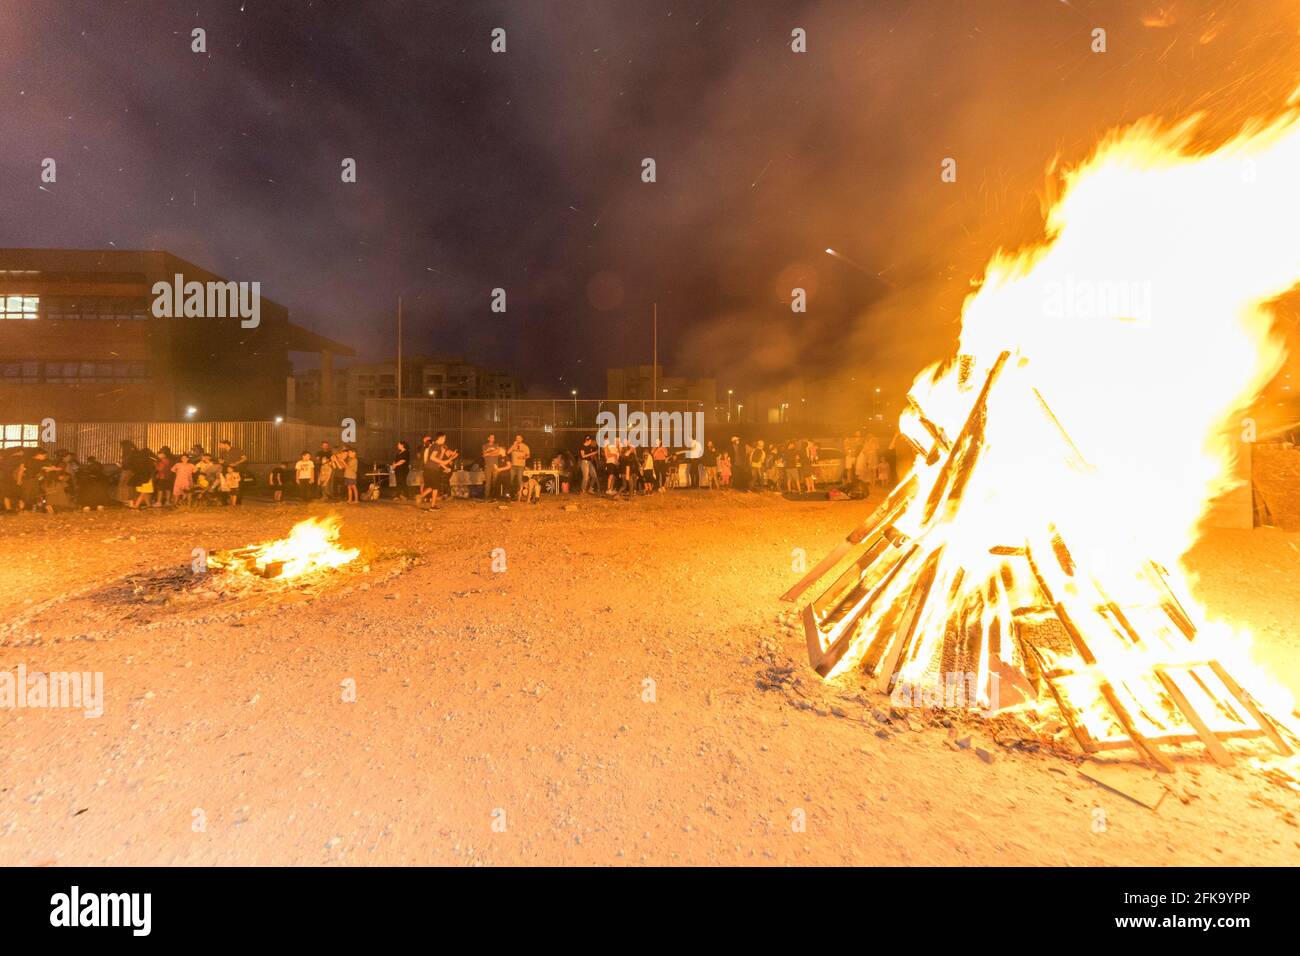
point(401, 468)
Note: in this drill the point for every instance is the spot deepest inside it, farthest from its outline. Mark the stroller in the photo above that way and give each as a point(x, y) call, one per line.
point(204, 491)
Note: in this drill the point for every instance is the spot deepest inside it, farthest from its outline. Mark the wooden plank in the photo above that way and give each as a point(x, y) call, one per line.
point(1207, 737)
point(1142, 744)
point(919, 595)
point(824, 658)
point(1248, 733)
point(1248, 702)
point(1141, 787)
point(955, 468)
point(884, 515)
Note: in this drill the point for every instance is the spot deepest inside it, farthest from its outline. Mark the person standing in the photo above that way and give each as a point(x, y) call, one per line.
point(502, 477)
point(183, 473)
point(610, 455)
point(304, 470)
point(491, 452)
point(437, 477)
point(275, 480)
point(757, 461)
point(648, 482)
point(709, 467)
point(587, 462)
point(519, 453)
point(124, 476)
point(325, 474)
point(792, 460)
point(230, 483)
point(808, 467)
point(163, 477)
point(660, 455)
point(629, 469)
point(739, 465)
point(401, 468)
point(350, 474)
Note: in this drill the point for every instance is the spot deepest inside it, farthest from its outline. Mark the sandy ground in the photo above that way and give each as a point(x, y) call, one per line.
point(506, 718)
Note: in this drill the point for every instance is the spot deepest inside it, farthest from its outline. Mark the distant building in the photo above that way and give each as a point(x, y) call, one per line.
point(345, 391)
point(80, 342)
point(639, 383)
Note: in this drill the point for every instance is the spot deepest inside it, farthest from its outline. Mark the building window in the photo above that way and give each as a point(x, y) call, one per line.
point(19, 306)
point(20, 373)
point(96, 373)
point(84, 308)
point(14, 436)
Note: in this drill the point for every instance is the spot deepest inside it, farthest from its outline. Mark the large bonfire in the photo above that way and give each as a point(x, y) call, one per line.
point(1067, 456)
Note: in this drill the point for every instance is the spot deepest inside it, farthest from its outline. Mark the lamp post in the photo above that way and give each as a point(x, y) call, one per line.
point(875, 405)
point(729, 404)
point(574, 393)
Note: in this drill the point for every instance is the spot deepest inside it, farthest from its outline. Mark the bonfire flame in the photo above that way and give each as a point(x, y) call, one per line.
point(1069, 454)
point(309, 547)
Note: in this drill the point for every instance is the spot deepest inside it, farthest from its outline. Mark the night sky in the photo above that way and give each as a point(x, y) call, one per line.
point(523, 169)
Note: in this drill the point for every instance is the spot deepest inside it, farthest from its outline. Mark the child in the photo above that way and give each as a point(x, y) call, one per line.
point(276, 480)
point(325, 477)
point(304, 470)
point(164, 472)
point(143, 492)
point(184, 480)
point(230, 485)
point(724, 470)
point(647, 472)
point(350, 475)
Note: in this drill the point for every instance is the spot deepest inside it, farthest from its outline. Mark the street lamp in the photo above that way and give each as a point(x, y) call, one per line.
point(191, 412)
point(574, 393)
point(729, 404)
point(875, 404)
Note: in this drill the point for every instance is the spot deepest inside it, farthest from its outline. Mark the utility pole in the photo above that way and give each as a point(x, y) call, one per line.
point(399, 367)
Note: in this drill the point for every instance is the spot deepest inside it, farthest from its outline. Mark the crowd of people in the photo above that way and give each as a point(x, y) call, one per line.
point(33, 479)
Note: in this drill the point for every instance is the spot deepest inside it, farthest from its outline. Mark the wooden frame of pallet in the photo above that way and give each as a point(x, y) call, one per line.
point(880, 552)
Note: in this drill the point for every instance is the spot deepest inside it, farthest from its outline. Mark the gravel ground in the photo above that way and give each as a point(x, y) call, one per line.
point(600, 701)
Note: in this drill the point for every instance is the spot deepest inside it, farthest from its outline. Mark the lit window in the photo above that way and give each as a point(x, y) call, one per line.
point(19, 306)
point(13, 436)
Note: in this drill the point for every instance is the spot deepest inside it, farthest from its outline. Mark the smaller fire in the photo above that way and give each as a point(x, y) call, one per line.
point(310, 546)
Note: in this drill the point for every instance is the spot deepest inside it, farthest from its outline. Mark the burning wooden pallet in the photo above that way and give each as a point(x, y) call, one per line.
point(917, 604)
point(245, 560)
point(311, 546)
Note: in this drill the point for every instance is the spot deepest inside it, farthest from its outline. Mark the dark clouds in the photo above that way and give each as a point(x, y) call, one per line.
point(522, 170)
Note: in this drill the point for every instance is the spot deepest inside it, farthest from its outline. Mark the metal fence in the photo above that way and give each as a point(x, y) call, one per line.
point(262, 442)
point(547, 425)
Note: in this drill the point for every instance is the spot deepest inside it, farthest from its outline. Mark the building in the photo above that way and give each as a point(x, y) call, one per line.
point(91, 336)
point(639, 382)
point(342, 392)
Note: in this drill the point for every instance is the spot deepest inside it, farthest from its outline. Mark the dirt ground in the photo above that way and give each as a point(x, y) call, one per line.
point(598, 702)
